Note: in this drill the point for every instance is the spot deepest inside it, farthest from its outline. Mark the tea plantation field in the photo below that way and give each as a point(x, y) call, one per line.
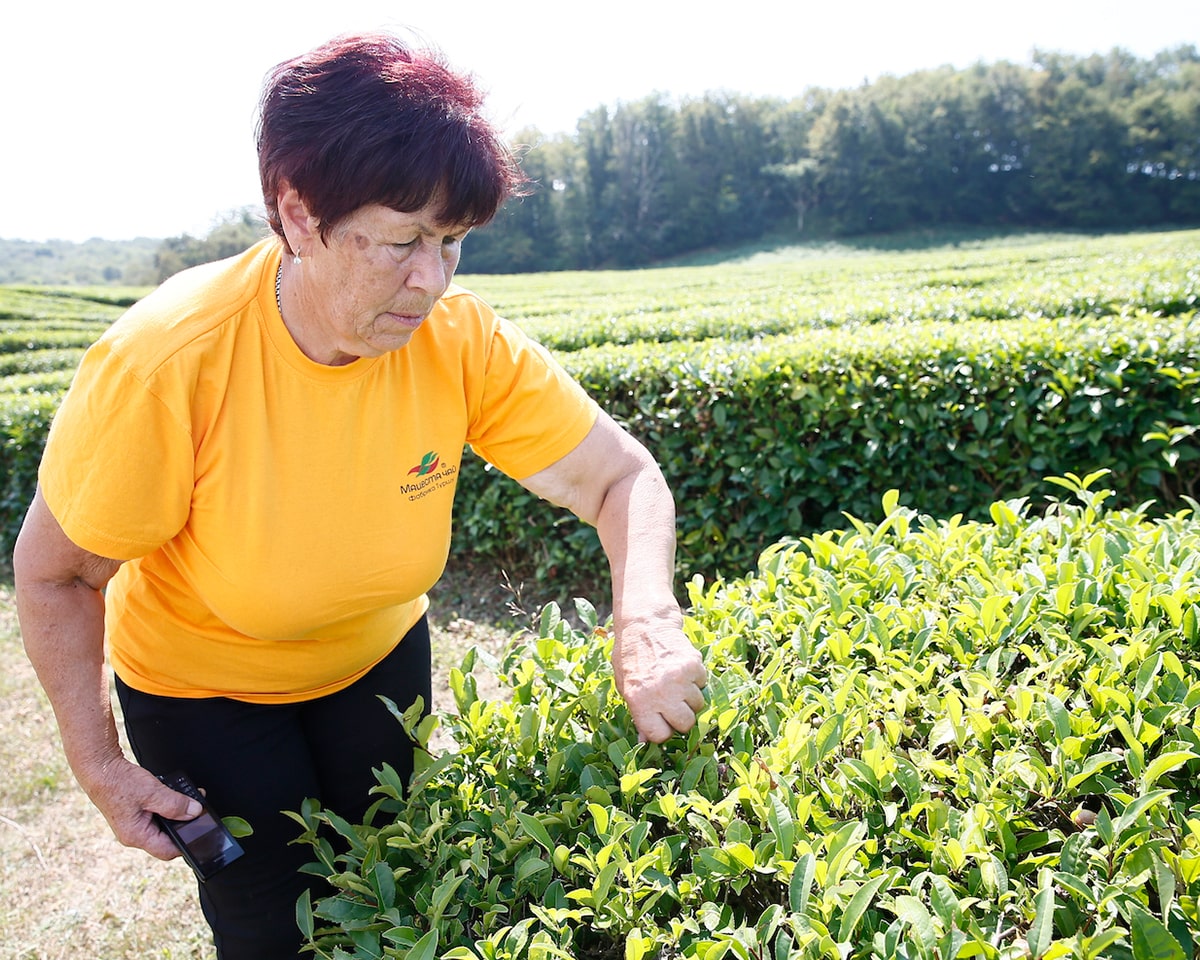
point(938, 541)
point(783, 389)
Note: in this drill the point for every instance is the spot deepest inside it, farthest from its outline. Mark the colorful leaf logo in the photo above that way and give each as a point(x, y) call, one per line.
point(428, 464)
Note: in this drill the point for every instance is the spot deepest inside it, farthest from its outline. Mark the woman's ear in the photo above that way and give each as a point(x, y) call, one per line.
point(299, 226)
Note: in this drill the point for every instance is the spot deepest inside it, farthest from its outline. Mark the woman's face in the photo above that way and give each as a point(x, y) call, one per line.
point(366, 289)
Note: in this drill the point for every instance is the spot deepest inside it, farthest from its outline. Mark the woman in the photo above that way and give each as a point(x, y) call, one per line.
point(247, 491)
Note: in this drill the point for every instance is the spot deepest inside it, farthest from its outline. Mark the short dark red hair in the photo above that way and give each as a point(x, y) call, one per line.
point(364, 119)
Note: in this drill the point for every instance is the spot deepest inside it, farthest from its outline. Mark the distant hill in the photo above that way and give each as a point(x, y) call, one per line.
point(93, 262)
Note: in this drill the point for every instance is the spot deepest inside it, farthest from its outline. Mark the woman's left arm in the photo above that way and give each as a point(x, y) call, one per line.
point(611, 481)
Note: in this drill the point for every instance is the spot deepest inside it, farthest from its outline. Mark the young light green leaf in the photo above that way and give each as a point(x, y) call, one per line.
point(551, 617)
point(891, 500)
point(1076, 885)
point(599, 814)
point(1097, 761)
point(858, 906)
point(635, 945)
point(1059, 716)
point(1135, 809)
point(425, 948)
point(1098, 945)
point(1163, 764)
point(1041, 933)
point(781, 824)
point(605, 880)
point(829, 737)
point(944, 901)
point(237, 826)
point(586, 612)
point(1146, 675)
point(913, 912)
point(800, 884)
point(1164, 882)
point(909, 779)
point(631, 782)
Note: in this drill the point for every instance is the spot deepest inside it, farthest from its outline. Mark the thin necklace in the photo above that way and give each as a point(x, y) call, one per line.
point(278, 289)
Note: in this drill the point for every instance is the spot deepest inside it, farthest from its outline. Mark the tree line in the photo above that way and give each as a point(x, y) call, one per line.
point(94, 262)
point(1105, 141)
point(1108, 141)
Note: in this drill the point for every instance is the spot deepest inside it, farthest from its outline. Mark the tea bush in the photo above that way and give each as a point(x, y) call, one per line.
point(762, 440)
point(924, 739)
point(78, 305)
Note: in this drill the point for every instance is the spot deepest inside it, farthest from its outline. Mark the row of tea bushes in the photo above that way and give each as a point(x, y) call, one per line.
point(779, 437)
point(1077, 276)
point(924, 739)
point(43, 334)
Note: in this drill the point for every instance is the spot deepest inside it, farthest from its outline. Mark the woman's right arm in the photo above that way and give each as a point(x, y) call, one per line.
point(60, 605)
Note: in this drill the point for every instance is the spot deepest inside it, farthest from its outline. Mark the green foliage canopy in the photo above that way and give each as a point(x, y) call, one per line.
point(1063, 142)
point(924, 739)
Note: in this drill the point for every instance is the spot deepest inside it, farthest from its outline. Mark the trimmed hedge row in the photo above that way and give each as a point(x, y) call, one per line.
point(24, 422)
point(762, 440)
point(781, 312)
point(779, 438)
point(79, 304)
point(39, 361)
point(45, 336)
point(764, 296)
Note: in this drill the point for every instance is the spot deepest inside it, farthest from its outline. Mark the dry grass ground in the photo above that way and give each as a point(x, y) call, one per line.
point(67, 888)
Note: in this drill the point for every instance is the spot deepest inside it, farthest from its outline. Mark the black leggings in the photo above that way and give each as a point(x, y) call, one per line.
point(256, 761)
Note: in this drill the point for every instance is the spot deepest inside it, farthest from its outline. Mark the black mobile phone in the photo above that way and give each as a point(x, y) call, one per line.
point(205, 842)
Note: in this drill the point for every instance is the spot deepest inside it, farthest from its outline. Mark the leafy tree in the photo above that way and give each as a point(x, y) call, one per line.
point(230, 235)
point(643, 167)
point(1077, 145)
point(597, 187)
point(1163, 119)
point(996, 186)
point(799, 184)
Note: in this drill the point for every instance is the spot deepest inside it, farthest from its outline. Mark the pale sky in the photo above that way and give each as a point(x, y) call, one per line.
point(135, 117)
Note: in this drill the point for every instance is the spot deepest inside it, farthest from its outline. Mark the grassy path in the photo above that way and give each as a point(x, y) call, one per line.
point(68, 890)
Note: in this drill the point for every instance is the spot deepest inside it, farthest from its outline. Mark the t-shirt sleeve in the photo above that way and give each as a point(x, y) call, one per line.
point(531, 413)
point(118, 468)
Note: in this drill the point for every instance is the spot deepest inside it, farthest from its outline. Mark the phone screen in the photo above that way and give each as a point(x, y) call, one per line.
point(206, 838)
point(206, 844)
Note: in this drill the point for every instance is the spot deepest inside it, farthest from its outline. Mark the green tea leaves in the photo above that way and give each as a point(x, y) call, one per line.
point(925, 739)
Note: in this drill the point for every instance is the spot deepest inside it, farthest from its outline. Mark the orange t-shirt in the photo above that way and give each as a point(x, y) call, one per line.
point(283, 519)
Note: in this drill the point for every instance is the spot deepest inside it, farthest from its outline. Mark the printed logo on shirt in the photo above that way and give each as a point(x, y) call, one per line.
point(428, 464)
point(431, 474)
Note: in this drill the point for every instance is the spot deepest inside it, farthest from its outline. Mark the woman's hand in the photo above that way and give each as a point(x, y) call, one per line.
point(127, 795)
point(661, 676)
